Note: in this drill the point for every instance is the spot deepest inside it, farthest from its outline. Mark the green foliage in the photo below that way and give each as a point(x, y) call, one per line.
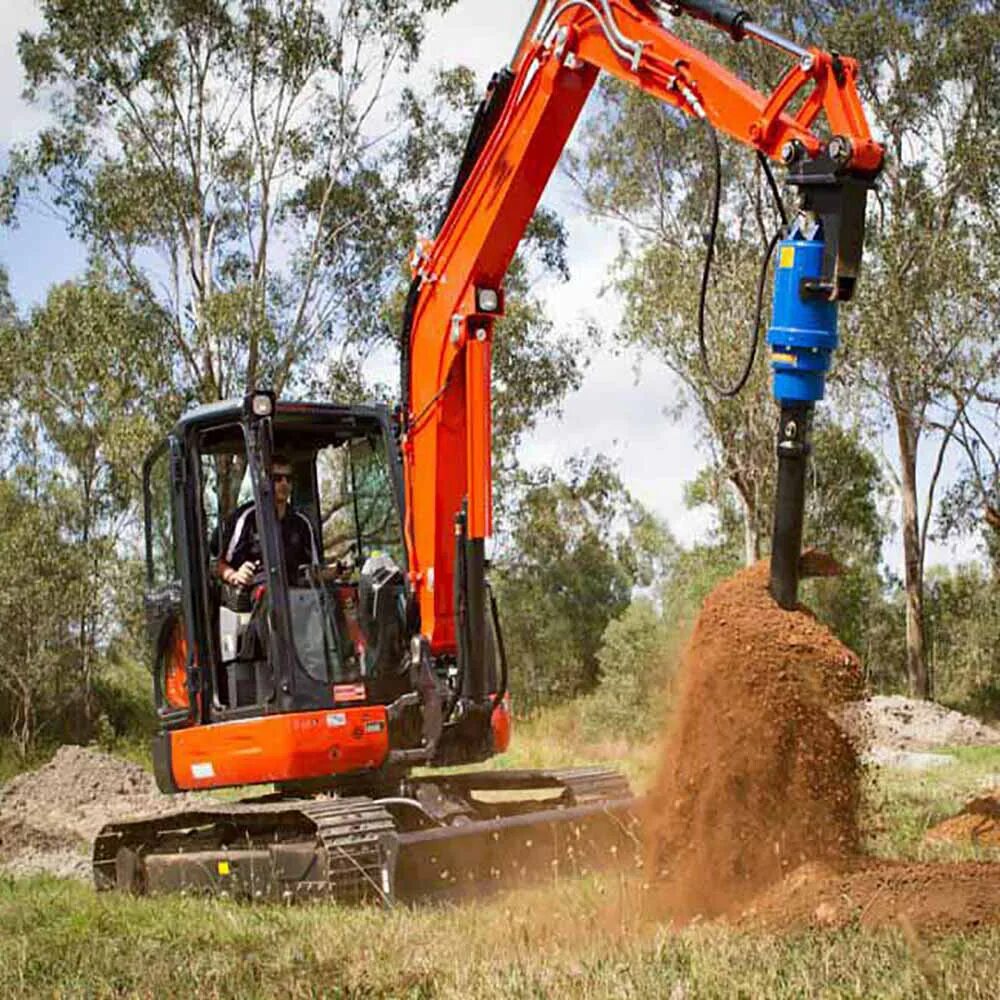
point(535, 362)
point(914, 353)
point(567, 569)
point(963, 638)
point(251, 123)
point(91, 382)
point(123, 693)
point(637, 657)
point(843, 517)
point(44, 586)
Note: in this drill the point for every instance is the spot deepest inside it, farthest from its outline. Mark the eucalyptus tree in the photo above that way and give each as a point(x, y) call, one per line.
point(239, 163)
point(218, 153)
point(579, 544)
point(537, 359)
point(920, 340)
point(921, 324)
point(650, 171)
point(91, 384)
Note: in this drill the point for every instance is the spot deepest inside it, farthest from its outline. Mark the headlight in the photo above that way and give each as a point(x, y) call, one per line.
point(487, 300)
point(262, 404)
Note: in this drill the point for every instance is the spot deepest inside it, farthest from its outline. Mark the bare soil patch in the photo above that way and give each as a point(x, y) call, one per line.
point(49, 817)
point(899, 723)
point(927, 897)
point(978, 823)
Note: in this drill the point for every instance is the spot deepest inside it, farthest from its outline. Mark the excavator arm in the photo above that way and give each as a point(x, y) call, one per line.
point(457, 292)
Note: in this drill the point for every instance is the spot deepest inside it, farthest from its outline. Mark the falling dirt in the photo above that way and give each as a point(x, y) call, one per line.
point(49, 817)
point(978, 824)
point(757, 775)
point(755, 816)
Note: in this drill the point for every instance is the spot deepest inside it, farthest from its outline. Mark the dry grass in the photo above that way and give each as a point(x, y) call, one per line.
point(570, 940)
point(581, 938)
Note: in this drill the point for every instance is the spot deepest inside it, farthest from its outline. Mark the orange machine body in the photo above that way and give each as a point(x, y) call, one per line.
point(279, 748)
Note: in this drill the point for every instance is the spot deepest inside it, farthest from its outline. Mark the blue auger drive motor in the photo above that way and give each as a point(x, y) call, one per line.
point(802, 337)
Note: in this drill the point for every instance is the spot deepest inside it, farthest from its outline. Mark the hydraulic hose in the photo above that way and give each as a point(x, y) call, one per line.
point(731, 391)
point(498, 632)
point(717, 13)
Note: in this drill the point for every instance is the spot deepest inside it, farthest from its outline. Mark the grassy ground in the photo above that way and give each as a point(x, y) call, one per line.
point(59, 939)
point(566, 939)
point(904, 805)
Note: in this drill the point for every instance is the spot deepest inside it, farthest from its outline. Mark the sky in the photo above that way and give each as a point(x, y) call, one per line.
point(619, 409)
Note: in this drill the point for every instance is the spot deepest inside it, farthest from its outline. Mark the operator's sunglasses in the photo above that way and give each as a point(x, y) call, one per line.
point(277, 477)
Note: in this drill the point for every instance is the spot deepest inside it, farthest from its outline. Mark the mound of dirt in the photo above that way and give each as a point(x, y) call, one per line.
point(49, 817)
point(758, 777)
point(927, 897)
point(909, 724)
point(978, 823)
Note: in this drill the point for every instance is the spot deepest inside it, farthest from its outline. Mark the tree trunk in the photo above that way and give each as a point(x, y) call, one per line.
point(908, 435)
point(751, 529)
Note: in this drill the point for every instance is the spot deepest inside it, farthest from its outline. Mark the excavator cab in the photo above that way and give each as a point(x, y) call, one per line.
point(324, 635)
point(316, 679)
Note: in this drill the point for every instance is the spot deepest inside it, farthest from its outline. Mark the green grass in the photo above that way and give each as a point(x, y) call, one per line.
point(904, 805)
point(59, 939)
point(575, 938)
point(556, 738)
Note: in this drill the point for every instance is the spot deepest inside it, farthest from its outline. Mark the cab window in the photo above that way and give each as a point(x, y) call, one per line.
point(357, 505)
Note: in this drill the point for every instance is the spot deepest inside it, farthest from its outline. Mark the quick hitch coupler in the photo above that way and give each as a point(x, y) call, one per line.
point(802, 337)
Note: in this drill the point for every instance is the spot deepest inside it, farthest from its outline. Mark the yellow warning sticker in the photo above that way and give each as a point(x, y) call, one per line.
point(223, 867)
point(787, 258)
point(788, 359)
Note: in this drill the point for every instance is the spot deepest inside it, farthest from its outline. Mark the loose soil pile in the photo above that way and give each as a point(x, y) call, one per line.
point(755, 814)
point(925, 897)
point(758, 777)
point(49, 817)
point(909, 724)
point(978, 823)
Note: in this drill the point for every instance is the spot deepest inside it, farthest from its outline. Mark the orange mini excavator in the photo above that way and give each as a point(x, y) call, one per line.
point(334, 678)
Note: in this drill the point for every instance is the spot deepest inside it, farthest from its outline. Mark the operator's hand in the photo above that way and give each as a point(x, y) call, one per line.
point(243, 577)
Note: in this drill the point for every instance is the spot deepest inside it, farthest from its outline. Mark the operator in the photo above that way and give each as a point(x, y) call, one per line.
point(241, 540)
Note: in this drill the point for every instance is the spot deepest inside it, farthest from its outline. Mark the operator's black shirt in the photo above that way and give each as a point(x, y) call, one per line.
point(241, 540)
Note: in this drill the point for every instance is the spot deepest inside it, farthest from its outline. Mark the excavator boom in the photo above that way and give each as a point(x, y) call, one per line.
point(523, 126)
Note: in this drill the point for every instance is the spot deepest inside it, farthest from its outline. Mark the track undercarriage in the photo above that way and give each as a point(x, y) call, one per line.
point(441, 837)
